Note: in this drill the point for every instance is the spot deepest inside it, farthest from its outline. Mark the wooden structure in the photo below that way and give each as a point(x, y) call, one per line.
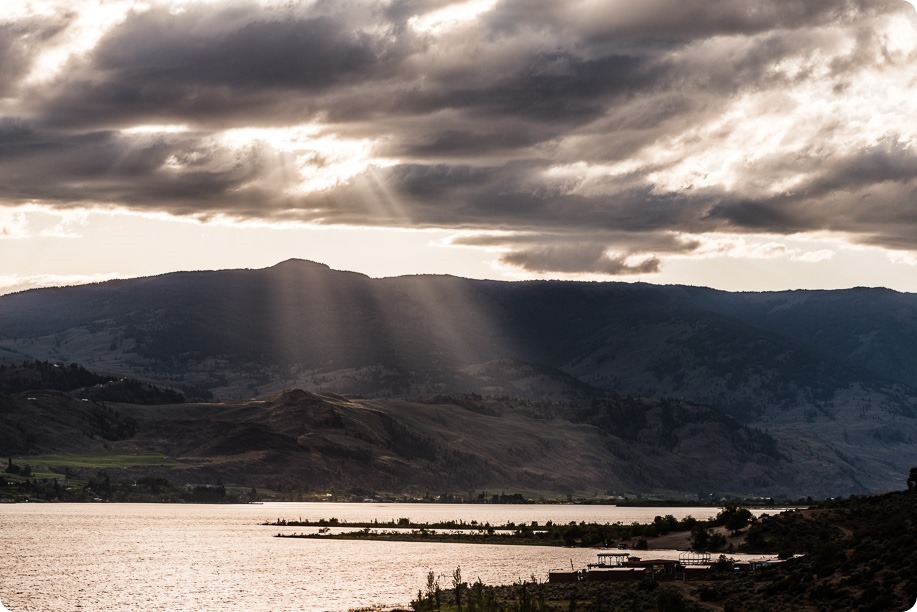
point(608, 559)
point(692, 557)
point(619, 567)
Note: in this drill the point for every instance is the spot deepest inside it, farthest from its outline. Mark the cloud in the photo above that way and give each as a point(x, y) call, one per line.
point(590, 258)
point(13, 225)
point(754, 247)
point(21, 41)
point(239, 64)
point(672, 22)
point(598, 131)
point(12, 283)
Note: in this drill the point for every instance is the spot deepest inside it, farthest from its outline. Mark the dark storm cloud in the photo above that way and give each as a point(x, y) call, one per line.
point(128, 170)
point(501, 197)
point(593, 129)
point(872, 190)
point(629, 243)
point(13, 56)
point(590, 258)
point(580, 89)
point(20, 41)
point(584, 251)
point(308, 54)
point(667, 22)
point(457, 143)
point(755, 216)
point(226, 65)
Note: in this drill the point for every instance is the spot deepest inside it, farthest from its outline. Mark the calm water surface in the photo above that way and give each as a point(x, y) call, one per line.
point(211, 557)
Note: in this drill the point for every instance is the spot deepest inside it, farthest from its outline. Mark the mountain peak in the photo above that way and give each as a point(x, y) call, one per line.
point(300, 264)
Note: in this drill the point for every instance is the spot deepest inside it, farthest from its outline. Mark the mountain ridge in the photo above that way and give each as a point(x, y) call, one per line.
point(834, 370)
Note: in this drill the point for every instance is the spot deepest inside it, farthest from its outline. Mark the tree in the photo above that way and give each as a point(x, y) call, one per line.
point(912, 480)
point(458, 585)
point(429, 599)
point(733, 518)
point(432, 588)
point(704, 539)
point(700, 536)
point(738, 520)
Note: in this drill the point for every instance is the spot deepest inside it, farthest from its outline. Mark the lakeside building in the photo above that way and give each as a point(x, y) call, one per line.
point(621, 567)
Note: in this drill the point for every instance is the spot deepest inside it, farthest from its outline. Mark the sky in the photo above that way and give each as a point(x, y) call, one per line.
point(737, 144)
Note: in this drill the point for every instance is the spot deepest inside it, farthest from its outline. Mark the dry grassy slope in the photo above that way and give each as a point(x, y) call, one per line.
point(296, 438)
point(500, 377)
point(313, 441)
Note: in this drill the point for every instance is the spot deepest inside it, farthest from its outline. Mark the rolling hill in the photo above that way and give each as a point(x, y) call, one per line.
point(829, 375)
point(301, 441)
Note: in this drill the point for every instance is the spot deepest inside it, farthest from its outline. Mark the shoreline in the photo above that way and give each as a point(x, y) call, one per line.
point(633, 539)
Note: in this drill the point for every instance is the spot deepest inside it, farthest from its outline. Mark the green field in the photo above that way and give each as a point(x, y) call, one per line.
point(92, 460)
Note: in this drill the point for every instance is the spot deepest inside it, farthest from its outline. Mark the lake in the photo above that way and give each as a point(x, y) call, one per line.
point(218, 557)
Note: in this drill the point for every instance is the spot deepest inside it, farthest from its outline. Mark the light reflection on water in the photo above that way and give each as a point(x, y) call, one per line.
point(211, 557)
